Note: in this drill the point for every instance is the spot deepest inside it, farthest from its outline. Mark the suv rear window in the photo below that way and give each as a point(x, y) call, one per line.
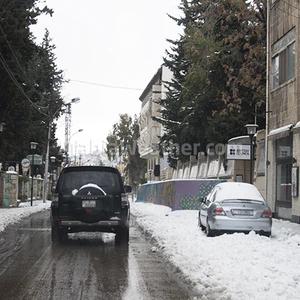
point(108, 181)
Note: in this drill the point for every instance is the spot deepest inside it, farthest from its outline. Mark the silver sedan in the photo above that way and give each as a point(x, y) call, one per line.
point(235, 207)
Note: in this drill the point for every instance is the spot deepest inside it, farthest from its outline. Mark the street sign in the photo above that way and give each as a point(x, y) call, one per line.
point(238, 152)
point(37, 159)
point(25, 162)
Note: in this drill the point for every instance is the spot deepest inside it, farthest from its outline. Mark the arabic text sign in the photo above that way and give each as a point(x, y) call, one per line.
point(37, 159)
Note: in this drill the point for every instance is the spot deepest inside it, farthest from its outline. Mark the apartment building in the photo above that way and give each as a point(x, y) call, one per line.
point(150, 130)
point(283, 110)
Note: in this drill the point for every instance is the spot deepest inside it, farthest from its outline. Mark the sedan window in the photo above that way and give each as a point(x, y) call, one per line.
point(212, 195)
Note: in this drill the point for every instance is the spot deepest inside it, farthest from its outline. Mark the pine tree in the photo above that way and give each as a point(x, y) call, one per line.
point(122, 145)
point(219, 73)
point(24, 70)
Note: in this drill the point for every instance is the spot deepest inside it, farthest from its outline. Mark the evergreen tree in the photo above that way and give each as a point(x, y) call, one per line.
point(122, 143)
point(219, 73)
point(49, 80)
point(29, 80)
point(172, 110)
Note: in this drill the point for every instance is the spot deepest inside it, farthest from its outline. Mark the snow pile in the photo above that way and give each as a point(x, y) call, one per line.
point(13, 215)
point(231, 266)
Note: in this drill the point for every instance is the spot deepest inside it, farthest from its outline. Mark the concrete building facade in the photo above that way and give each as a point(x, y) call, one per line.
point(151, 130)
point(283, 110)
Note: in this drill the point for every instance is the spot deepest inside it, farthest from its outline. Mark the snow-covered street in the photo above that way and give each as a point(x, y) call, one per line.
point(235, 266)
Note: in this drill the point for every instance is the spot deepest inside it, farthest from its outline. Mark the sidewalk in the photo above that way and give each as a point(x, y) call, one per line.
point(14, 214)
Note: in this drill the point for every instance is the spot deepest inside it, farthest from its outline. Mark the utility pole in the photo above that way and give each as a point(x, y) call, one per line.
point(67, 128)
point(68, 125)
point(51, 118)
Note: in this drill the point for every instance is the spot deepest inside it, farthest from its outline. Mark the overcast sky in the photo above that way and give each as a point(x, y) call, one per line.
point(113, 43)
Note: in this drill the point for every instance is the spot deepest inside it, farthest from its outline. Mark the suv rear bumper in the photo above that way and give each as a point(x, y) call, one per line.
point(71, 226)
point(95, 224)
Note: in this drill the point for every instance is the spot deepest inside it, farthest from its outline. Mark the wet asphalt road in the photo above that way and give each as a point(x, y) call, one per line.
point(87, 266)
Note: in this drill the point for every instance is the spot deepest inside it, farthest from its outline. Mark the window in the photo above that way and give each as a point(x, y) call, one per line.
point(108, 181)
point(261, 159)
point(284, 182)
point(283, 62)
point(284, 171)
point(291, 61)
point(275, 71)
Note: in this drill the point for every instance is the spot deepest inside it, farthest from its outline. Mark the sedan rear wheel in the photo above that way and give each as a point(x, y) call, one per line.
point(209, 232)
point(200, 224)
point(266, 233)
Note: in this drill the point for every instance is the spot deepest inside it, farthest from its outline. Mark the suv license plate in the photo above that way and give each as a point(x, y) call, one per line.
point(88, 203)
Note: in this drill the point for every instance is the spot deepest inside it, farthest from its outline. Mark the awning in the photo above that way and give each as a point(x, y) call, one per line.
point(280, 132)
point(297, 128)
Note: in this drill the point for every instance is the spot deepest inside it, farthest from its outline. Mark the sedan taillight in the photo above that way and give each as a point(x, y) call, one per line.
point(218, 211)
point(267, 214)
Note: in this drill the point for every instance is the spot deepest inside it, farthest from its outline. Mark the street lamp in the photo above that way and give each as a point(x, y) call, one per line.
point(1, 126)
point(251, 130)
point(32, 147)
point(1, 129)
point(53, 159)
point(68, 143)
point(150, 173)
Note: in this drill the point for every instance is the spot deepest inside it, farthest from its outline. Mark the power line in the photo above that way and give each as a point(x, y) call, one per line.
point(13, 78)
point(21, 68)
point(13, 53)
point(105, 85)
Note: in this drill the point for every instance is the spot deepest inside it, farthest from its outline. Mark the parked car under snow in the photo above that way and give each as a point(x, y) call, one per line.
point(235, 207)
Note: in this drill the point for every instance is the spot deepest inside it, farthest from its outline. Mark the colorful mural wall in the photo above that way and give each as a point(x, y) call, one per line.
point(177, 193)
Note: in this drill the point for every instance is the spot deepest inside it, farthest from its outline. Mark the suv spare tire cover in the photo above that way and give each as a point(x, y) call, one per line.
point(89, 214)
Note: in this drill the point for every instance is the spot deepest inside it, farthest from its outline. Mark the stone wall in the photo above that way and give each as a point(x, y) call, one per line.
point(13, 189)
point(10, 189)
point(2, 182)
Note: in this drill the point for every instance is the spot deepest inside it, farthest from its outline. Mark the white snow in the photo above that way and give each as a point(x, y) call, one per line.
point(13, 215)
point(240, 190)
point(280, 129)
point(234, 267)
point(74, 192)
point(231, 266)
point(92, 185)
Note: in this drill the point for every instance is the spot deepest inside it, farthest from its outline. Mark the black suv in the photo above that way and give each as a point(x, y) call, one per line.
point(90, 198)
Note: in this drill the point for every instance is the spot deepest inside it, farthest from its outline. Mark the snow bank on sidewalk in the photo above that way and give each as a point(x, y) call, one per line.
point(231, 266)
point(13, 215)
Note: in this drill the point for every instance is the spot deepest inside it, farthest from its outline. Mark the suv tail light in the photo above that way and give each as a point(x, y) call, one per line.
point(218, 211)
point(267, 214)
point(125, 201)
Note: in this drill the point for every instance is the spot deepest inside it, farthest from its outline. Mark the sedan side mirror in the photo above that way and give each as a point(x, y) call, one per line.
point(203, 199)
